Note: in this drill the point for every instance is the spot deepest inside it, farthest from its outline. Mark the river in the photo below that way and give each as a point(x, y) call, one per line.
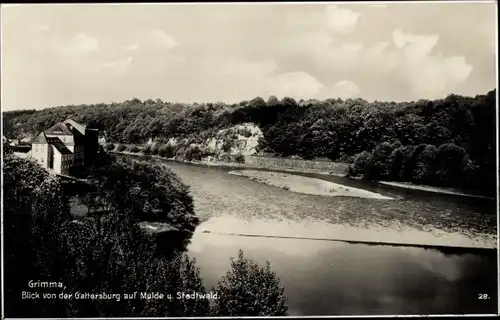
point(337, 278)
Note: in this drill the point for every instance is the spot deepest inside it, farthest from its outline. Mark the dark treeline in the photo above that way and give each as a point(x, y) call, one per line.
point(447, 142)
point(109, 253)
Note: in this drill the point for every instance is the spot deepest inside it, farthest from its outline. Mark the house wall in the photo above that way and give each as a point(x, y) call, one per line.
point(67, 163)
point(77, 149)
point(57, 161)
point(79, 155)
point(62, 162)
point(41, 152)
point(24, 155)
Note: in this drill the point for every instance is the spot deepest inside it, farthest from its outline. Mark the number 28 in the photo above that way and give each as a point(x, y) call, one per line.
point(483, 296)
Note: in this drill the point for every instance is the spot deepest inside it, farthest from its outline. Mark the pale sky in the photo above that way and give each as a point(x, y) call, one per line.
point(82, 54)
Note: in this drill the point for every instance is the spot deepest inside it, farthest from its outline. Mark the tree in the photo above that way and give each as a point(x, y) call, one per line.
point(257, 103)
point(249, 290)
point(411, 161)
point(20, 177)
point(189, 275)
point(50, 211)
point(396, 163)
point(166, 151)
point(239, 158)
point(148, 192)
point(272, 101)
point(377, 166)
point(193, 152)
point(289, 102)
point(121, 148)
point(359, 164)
point(154, 149)
point(451, 161)
point(425, 168)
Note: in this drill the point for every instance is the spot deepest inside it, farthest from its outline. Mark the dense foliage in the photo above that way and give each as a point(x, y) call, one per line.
point(107, 253)
point(334, 129)
point(250, 290)
point(446, 165)
point(143, 191)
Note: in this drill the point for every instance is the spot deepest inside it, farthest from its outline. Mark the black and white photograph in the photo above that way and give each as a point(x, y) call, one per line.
point(249, 159)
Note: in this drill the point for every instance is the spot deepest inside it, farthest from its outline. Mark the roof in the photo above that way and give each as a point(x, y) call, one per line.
point(22, 148)
point(73, 124)
point(59, 129)
point(68, 127)
point(40, 139)
point(59, 145)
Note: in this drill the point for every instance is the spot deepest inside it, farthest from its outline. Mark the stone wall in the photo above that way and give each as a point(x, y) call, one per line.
point(296, 164)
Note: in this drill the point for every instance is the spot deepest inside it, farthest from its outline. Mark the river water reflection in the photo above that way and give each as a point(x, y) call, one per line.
point(327, 277)
point(330, 278)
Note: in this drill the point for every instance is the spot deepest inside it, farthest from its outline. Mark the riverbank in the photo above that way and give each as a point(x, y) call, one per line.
point(234, 164)
point(336, 169)
point(306, 185)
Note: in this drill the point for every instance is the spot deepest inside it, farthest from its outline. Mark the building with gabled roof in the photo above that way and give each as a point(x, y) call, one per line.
point(63, 146)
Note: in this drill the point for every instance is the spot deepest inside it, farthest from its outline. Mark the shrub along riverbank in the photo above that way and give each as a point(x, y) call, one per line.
point(447, 142)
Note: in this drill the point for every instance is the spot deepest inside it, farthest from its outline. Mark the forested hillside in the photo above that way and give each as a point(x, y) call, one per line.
point(446, 142)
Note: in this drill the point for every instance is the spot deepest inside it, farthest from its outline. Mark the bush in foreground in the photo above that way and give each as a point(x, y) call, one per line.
point(249, 290)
